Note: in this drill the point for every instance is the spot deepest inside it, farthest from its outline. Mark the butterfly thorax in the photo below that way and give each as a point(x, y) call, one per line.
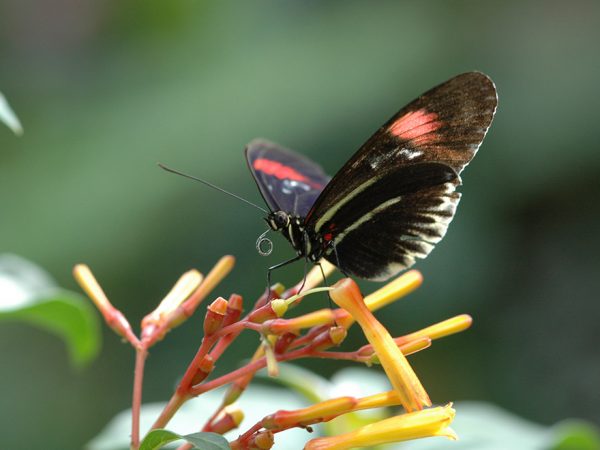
point(293, 229)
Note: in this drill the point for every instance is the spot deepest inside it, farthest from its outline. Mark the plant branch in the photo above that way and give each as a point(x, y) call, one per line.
point(136, 404)
point(248, 368)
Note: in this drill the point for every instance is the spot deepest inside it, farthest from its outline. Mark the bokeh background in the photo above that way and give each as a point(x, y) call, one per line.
point(107, 89)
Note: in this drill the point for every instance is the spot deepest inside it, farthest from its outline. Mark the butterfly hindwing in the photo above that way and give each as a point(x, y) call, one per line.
point(396, 233)
point(287, 180)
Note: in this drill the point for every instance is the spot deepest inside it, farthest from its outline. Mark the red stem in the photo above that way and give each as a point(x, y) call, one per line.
point(136, 404)
point(308, 337)
point(349, 356)
point(186, 381)
point(181, 394)
point(238, 327)
point(248, 434)
point(251, 367)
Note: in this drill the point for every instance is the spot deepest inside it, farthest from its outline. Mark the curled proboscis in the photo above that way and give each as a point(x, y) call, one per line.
point(264, 245)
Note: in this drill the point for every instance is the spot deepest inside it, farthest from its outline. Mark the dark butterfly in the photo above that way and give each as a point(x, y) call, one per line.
point(394, 199)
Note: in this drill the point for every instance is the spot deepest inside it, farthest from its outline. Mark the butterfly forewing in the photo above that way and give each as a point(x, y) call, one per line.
point(393, 200)
point(287, 181)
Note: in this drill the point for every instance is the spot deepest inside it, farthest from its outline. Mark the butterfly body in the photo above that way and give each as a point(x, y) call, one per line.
point(393, 200)
point(293, 229)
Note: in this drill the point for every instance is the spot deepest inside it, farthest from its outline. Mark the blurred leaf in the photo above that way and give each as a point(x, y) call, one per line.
point(310, 385)
point(8, 116)
point(29, 295)
point(352, 381)
point(576, 435)
point(206, 441)
point(484, 426)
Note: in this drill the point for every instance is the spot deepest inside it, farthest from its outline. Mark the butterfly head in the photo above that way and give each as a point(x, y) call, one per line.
point(278, 220)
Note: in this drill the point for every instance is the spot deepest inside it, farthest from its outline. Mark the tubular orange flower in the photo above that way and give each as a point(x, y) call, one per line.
point(205, 367)
point(310, 415)
point(215, 314)
point(407, 348)
point(230, 418)
point(439, 330)
point(426, 423)
point(234, 309)
point(182, 289)
point(396, 289)
point(389, 398)
point(214, 277)
point(273, 309)
point(263, 440)
point(401, 375)
point(312, 319)
point(329, 338)
point(176, 316)
point(113, 317)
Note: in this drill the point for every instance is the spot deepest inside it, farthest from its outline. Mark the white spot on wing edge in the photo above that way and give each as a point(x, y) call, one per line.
point(410, 154)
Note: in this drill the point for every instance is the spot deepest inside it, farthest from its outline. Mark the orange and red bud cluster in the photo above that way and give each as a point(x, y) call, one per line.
point(215, 314)
point(420, 420)
point(272, 310)
point(234, 309)
point(320, 412)
point(229, 419)
point(308, 335)
point(113, 317)
point(263, 440)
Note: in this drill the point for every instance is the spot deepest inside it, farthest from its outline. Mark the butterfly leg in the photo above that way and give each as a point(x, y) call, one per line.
point(322, 274)
point(305, 274)
point(277, 266)
point(325, 283)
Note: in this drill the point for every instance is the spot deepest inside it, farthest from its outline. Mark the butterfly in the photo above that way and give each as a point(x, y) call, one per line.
point(392, 202)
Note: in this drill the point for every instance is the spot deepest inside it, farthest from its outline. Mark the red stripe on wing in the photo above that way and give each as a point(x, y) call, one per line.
point(282, 172)
point(416, 124)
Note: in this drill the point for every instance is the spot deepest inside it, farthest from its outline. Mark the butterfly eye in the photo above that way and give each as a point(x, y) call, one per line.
point(281, 219)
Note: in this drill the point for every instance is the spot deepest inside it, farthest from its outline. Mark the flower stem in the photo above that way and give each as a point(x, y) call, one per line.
point(181, 394)
point(248, 368)
point(138, 378)
point(169, 411)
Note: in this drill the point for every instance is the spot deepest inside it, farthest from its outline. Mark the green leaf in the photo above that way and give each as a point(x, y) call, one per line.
point(207, 441)
point(157, 439)
point(29, 295)
point(9, 118)
point(576, 435)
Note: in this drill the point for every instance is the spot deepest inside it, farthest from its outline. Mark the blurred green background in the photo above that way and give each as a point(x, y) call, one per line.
point(107, 89)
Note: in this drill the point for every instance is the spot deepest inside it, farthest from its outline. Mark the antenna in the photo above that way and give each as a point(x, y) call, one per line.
point(168, 169)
